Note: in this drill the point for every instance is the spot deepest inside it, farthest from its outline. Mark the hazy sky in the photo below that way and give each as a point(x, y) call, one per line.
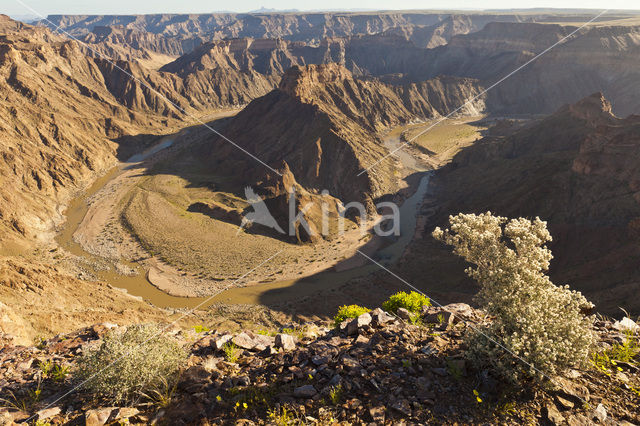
point(45, 7)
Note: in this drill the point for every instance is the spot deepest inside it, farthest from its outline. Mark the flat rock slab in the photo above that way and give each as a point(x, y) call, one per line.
point(306, 391)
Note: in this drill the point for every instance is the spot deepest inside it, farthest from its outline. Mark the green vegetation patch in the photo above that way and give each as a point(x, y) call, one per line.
point(412, 302)
point(349, 311)
point(607, 360)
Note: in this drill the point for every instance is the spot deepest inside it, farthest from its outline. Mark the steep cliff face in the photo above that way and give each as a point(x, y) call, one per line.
point(303, 26)
point(266, 56)
point(576, 169)
point(320, 145)
point(437, 26)
point(59, 123)
point(322, 122)
point(119, 37)
point(440, 33)
point(395, 48)
point(596, 58)
point(58, 118)
point(374, 55)
point(72, 105)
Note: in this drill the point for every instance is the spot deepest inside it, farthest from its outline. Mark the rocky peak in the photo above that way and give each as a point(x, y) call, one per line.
point(25, 32)
point(592, 108)
point(301, 81)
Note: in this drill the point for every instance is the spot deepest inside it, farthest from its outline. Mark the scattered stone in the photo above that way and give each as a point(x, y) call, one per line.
point(335, 380)
point(47, 413)
point(269, 351)
point(98, 417)
point(564, 403)
point(320, 360)
point(244, 341)
point(204, 342)
point(306, 391)
point(361, 340)
point(358, 323)
point(25, 365)
point(285, 341)
point(578, 420)
point(573, 391)
point(387, 371)
point(380, 317)
point(377, 414)
point(350, 362)
point(242, 381)
point(262, 342)
point(622, 377)
point(9, 417)
point(600, 413)
point(626, 324)
point(125, 413)
point(221, 341)
point(429, 349)
point(402, 406)
point(345, 324)
point(210, 363)
point(441, 318)
point(552, 414)
point(195, 374)
point(404, 314)
point(460, 311)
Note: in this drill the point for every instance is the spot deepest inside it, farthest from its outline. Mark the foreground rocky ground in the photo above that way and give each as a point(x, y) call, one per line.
point(375, 369)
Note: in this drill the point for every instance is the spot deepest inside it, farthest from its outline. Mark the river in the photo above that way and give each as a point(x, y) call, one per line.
point(264, 293)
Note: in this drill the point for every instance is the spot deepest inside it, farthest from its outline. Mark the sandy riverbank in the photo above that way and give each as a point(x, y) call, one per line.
point(174, 257)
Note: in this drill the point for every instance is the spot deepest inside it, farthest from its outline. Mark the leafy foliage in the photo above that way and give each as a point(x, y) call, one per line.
point(51, 370)
point(535, 320)
point(412, 302)
point(231, 352)
point(349, 311)
point(130, 362)
point(200, 329)
point(608, 359)
point(335, 394)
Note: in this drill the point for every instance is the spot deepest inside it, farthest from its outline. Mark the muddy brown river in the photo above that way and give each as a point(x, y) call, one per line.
point(263, 293)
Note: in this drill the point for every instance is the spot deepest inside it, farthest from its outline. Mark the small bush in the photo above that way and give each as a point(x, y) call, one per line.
point(335, 394)
point(131, 362)
point(231, 352)
point(412, 302)
point(349, 311)
point(281, 416)
point(200, 329)
point(534, 319)
point(607, 360)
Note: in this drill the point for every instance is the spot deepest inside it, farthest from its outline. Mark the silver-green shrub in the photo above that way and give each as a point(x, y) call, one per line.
point(131, 361)
point(540, 322)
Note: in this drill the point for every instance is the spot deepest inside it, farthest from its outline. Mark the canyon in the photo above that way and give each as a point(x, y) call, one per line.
point(313, 99)
point(151, 167)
